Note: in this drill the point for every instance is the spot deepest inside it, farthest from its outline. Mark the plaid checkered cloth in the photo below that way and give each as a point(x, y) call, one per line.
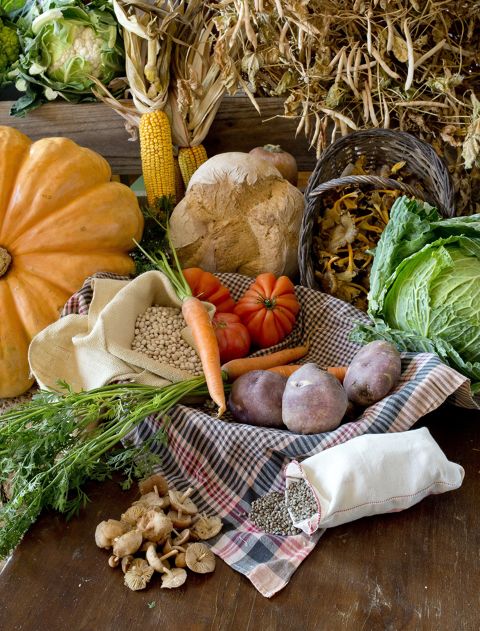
point(231, 464)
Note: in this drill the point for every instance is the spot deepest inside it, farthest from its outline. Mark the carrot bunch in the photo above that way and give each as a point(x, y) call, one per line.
point(286, 370)
point(238, 367)
point(278, 362)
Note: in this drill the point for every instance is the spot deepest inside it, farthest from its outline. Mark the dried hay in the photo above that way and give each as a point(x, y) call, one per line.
point(341, 66)
point(338, 65)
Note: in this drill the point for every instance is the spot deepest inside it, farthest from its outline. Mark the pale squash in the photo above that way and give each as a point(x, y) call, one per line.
point(61, 220)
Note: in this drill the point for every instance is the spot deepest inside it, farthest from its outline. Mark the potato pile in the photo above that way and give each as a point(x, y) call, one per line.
point(161, 532)
point(311, 400)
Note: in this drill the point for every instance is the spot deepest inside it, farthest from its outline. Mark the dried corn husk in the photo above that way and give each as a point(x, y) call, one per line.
point(148, 32)
point(201, 71)
point(175, 62)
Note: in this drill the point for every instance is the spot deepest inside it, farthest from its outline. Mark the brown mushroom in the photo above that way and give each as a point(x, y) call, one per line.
point(154, 482)
point(113, 561)
point(133, 514)
point(206, 527)
point(153, 500)
point(138, 574)
point(155, 526)
point(180, 560)
point(179, 520)
point(127, 544)
point(174, 578)
point(158, 563)
point(200, 558)
point(182, 503)
point(107, 531)
point(126, 562)
point(182, 538)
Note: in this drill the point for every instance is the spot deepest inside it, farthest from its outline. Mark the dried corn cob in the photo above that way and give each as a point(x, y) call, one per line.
point(189, 159)
point(156, 152)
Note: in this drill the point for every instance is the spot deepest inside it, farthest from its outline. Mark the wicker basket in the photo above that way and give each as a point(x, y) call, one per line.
point(378, 146)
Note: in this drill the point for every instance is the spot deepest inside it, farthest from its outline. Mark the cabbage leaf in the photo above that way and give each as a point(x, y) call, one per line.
point(425, 286)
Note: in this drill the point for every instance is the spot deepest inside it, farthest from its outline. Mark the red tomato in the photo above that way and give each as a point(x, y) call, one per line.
point(268, 309)
point(206, 286)
point(232, 336)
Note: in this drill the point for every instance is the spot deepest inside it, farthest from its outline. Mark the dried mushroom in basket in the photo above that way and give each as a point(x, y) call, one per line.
point(347, 230)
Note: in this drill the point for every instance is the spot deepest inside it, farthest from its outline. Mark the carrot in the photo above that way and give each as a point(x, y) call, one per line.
point(338, 371)
point(285, 371)
point(237, 367)
point(197, 318)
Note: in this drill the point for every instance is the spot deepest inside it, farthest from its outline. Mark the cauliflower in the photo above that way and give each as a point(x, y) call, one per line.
point(86, 46)
point(9, 49)
point(66, 45)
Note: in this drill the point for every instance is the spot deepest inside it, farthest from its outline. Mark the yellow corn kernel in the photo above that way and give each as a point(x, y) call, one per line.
point(189, 159)
point(156, 153)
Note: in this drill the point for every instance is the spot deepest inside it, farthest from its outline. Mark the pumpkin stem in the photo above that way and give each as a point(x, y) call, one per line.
point(5, 260)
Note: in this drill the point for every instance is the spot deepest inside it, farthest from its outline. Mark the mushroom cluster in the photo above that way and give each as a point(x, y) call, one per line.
point(161, 532)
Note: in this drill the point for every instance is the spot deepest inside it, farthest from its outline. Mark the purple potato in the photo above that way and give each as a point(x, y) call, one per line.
point(256, 398)
point(313, 401)
point(373, 373)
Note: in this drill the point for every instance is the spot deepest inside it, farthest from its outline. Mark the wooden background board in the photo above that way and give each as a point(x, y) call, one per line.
point(237, 127)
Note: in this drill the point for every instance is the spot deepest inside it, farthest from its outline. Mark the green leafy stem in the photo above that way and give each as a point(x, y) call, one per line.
point(53, 444)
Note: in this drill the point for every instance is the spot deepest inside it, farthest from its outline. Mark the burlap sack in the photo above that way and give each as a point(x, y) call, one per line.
point(89, 351)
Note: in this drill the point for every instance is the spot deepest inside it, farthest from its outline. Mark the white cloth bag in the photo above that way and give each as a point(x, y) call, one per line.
point(372, 474)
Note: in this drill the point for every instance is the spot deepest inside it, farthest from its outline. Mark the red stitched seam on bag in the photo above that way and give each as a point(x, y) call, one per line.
point(394, 497)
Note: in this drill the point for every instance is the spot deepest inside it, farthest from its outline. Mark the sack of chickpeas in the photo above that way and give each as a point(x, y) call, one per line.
point(133, 330)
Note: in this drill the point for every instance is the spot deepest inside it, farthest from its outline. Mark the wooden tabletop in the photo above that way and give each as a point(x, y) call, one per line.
point(416, 570)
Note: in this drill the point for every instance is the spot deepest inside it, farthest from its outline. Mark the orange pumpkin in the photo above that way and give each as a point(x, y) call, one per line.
point(61, 220)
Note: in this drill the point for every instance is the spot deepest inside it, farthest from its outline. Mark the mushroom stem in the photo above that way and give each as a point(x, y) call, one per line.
point(157, 562)
point(172, 553)
point(187, 493)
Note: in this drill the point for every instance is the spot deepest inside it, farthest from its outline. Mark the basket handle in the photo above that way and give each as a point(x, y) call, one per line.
point(375, 180)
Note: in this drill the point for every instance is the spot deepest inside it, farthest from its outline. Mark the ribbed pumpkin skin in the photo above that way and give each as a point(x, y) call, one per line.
point(61, 220)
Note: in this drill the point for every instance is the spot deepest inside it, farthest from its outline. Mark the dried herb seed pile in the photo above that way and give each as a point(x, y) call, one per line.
point(300, 500)
point(270, 514)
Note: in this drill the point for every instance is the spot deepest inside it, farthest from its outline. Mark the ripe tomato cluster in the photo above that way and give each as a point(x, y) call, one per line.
point(261, 318)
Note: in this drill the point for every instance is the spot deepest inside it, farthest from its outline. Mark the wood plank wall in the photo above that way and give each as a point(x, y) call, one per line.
point(237, 127)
